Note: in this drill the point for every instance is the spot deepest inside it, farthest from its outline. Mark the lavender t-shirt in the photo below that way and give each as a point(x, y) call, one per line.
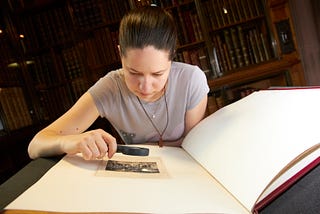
point(187, 86)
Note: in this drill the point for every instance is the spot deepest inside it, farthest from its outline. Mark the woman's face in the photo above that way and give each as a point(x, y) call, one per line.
point(146, 72)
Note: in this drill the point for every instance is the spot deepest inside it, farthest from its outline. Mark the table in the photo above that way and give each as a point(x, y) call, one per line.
point(303, 197)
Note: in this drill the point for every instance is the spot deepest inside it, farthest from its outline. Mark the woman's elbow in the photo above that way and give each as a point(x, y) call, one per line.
point(31, 150)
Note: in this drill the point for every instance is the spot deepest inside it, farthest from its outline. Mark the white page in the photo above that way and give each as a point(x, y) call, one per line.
point(246, 144)
point(71, 186)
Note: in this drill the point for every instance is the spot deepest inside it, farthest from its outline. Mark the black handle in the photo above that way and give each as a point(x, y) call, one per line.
point(132, 150)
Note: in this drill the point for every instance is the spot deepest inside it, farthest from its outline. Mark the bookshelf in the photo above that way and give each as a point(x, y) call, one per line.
point(252, 47)
point(54, 50)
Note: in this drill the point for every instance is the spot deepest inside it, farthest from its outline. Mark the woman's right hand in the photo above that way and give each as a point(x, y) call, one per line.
point(68, 134)
point(92, 144)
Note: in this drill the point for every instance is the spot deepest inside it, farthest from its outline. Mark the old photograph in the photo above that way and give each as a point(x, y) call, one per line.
point(137, 167)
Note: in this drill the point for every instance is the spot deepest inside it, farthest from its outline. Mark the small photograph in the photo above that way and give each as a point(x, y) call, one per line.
point(137, 167)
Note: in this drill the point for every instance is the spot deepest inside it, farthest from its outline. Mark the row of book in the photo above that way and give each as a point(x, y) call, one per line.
point(72, 61)
point(91, 13)
point(188, 24)
point(235, 48)
point(79, 87)
point(226, 12)
point(101, 48)
point(56, 27)
point(7, 49)
point(43, 70)
point(54, 102)
point(10, 76)
point(196, 56)
point(52, 69)
point(14, 111)
point(46, 29)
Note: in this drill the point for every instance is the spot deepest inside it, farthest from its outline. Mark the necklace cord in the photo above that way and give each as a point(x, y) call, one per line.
point(154, 126)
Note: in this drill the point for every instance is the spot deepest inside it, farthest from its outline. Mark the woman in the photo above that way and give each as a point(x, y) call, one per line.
point(149, 100)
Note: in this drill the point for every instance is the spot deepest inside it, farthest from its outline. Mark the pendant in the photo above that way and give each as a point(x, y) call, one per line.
point(160, 142)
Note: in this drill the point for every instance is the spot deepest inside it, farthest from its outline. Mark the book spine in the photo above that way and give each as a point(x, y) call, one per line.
point(244, 9)
point(239, 10)
point(264, 46)
point(237, 47)
point(218, 14)
point(196, 26)
point(183, 27)
point(243, 46)
point(203, 59)
point(220, 53)
point(209, 11)
point(186, 57)
point(230, 49)
point(254, 47)
point(259, 45)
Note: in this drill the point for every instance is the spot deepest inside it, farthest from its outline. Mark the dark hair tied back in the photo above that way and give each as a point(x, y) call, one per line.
point(148, 26)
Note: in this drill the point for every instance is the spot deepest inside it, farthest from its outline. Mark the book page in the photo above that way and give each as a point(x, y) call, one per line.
point(76, 185)
point(246, 144)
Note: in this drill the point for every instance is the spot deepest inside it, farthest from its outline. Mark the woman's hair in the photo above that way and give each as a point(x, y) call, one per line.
point(148, 26)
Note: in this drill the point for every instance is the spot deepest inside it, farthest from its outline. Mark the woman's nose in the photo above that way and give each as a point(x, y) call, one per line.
point(145, 84)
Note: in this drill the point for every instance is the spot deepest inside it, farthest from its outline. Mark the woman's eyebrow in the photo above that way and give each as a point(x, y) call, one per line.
point(154, 72)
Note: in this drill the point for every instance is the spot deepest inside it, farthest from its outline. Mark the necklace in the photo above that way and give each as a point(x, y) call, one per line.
point(153, 108)
point(154, 126)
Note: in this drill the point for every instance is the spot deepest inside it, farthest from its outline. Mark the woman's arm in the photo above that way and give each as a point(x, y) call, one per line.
point(66, 134)
point(193, 117)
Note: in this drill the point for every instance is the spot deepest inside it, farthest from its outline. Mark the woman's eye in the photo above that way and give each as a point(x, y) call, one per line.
point(157, 74)
point(134, 73)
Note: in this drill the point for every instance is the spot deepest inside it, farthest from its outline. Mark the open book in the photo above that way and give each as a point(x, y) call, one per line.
point(234, 161)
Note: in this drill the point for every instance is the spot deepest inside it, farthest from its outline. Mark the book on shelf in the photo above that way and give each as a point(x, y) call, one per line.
point(237, 47)
point(230, 48)
point(243, 46)
point(217, 72)
point(227, 12)
point(55, 102)
point(239, 10)
point(196, 26)
point(253, 47)
point(258, 43)
point(195, 56)
point(221, 54)
point(203, 60)
point(217, 10)
point(72, 62)
point(209, 11)
point(86, 13)
point(264, 47)
point(228, 163)
point(179, 19)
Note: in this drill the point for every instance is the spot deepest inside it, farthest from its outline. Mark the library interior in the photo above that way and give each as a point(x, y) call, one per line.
point(52, 51)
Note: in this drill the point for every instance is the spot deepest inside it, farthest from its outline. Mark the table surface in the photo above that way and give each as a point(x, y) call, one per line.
point(302, 197)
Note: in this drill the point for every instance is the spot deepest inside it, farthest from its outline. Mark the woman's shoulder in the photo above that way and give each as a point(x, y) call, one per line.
point(113, 75)
point(184, 70)
point(110, 81)
point(183, 65)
